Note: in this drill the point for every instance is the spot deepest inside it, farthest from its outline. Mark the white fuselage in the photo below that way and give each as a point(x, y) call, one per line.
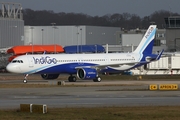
point(64, 63)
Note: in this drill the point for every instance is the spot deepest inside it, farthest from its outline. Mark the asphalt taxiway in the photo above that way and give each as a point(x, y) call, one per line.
point(88, 94)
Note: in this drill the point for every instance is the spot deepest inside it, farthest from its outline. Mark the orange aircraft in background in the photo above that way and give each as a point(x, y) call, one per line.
point(33, 49)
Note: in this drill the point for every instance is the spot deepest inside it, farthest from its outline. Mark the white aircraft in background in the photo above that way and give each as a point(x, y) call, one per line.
point(86, 66)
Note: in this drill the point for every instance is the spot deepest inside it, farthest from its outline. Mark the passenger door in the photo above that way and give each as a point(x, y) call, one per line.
point(30, 60)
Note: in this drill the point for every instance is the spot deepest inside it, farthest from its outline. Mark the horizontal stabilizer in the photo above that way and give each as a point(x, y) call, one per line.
point(159, 56)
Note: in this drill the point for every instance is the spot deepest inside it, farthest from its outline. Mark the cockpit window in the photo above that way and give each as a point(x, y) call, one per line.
point(14, 61)
point(17, 61)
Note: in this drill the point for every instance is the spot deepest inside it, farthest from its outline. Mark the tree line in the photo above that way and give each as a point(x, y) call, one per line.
point(125, 20)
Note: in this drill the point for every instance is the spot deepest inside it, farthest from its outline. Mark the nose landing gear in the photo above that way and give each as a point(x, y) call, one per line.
point(25, 78)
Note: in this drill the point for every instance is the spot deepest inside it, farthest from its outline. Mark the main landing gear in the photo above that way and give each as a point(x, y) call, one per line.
point(72, 78)
point(97, 79)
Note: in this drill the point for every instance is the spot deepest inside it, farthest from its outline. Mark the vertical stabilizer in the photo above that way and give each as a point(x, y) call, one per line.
point(147, 42)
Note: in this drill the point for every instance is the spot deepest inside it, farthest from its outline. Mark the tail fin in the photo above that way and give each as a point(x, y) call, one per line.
point(147, 42)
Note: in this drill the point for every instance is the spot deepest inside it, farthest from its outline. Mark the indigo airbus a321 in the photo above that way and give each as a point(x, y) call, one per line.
point(86, 66)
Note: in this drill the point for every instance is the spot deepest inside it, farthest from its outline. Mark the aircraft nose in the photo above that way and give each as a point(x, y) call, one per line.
point(12, 68)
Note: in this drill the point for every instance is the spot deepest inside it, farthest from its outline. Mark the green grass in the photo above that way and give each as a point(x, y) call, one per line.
point(98, 113)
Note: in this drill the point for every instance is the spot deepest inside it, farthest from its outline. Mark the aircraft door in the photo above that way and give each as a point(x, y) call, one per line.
point(106, 60)
point(30, 60)
point(80, 61)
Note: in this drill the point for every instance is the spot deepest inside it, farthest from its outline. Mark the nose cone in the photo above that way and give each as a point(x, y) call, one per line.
point(13, 68)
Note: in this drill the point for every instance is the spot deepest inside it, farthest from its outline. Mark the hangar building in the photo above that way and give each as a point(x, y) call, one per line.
point(11, 25)
point(70, 35)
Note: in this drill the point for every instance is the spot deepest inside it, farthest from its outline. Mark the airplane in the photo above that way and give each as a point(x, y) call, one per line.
point(85, 66)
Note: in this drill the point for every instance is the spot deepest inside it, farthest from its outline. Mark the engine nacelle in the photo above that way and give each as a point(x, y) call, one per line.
point(49, 76)
point(86, 73)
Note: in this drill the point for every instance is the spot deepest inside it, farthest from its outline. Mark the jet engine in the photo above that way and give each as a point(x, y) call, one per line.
point(87, 73)
point(49, 76)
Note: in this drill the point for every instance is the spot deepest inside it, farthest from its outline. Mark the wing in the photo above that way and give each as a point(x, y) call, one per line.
point(117, 65)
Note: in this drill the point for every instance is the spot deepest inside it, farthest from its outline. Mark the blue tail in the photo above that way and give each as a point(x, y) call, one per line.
point(147, 42)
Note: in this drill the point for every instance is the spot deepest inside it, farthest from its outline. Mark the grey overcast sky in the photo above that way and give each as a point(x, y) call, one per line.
point(102, 7)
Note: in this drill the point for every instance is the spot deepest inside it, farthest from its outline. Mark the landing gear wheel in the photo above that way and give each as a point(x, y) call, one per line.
point(24, 81)
point(72, 79)
point(25, 78)
point(97, 79)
